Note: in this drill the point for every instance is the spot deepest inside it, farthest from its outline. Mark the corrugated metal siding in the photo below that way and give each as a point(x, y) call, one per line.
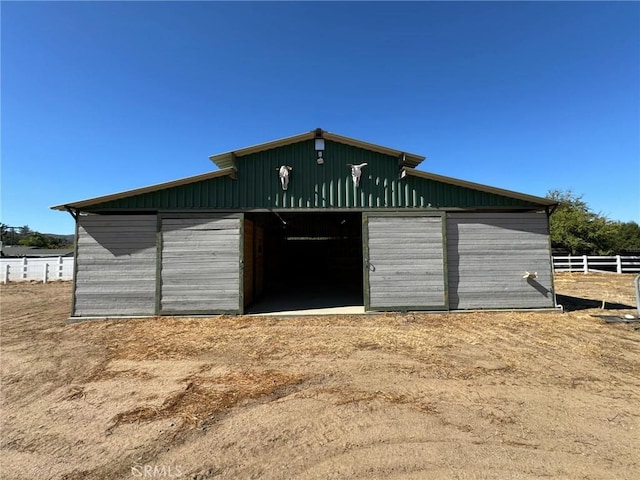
point(422, 192)
point(214, 193)
point(314, 186)
point(200, 265)
point(405, 262)
point(487, 256)
point(318, 186)
point(115, 265)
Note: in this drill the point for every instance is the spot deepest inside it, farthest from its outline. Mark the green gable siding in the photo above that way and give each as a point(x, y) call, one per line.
point(314, 186)
point(423, 192)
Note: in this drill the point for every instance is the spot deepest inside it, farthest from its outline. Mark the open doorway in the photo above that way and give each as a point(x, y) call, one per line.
point(303, 261)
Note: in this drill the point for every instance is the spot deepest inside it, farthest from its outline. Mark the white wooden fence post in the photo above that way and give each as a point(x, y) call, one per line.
point(618, 263)
point(5, 276)
point(585, 264)
point(24, 268)
point(45, 271)
point(60, 266)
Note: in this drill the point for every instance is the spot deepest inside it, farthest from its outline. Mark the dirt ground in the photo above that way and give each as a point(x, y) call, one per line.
point(397, 396)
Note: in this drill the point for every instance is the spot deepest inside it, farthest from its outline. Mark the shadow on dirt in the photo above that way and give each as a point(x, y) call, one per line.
point(572, 304)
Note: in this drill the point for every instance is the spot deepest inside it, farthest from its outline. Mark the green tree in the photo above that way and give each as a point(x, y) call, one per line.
point(578, 230)
point(626, 236)
point(34, 240)
point(8, 234)
point(37, 239)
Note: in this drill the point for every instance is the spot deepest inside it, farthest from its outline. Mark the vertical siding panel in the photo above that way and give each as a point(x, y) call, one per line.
point(393, 194)
point(386, 192)
point(333, 192)
point(324, 194)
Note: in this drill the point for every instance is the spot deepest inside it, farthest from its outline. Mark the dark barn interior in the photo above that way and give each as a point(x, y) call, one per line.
point(303, 261)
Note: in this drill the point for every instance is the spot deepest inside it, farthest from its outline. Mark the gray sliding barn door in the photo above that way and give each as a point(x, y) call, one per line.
point(200, 266)
point(404, 262)
point(115, 272)
point(489, 254)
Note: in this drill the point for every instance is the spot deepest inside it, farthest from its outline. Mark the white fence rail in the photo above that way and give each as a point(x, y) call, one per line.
point(61, 268)
point(592, 263)
point(40, 269)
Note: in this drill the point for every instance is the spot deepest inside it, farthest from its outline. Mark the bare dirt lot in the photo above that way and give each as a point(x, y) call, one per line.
point(404, 396)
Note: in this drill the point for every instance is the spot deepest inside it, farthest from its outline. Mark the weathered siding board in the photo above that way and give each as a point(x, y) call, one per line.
point(489, 253)
point(116, 265)
point(200, 266)
point(405, 262)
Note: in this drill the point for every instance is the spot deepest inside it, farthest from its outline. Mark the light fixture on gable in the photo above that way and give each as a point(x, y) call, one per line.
point(319, 147)
point(402, 171)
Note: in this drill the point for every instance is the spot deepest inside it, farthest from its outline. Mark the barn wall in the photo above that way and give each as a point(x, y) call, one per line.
point(488, 255)
point(115, 265)
point(405, 264)
point(200, 264)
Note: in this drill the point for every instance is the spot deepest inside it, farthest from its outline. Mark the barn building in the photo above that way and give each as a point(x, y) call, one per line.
point(307, 218)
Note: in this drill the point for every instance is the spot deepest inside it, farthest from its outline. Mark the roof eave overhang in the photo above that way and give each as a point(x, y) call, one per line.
point(542, 202)
point(228, 159)
point(84, 204)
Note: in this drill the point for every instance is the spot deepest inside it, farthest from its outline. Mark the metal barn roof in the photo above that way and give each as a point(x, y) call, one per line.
point(228, 159)
point(249, 181)
point(81, 204)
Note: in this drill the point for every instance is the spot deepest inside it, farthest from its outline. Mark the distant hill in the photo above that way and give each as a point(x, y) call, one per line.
point(66, 239)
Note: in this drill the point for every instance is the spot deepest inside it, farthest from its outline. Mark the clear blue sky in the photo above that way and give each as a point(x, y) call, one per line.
point(103, 97)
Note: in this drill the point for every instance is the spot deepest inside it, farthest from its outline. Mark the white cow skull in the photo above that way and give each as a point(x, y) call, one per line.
point(283, 173)
point(356, 172)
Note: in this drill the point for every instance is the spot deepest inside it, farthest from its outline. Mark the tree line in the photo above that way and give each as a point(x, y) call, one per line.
point(30, 238)
point(577, 230)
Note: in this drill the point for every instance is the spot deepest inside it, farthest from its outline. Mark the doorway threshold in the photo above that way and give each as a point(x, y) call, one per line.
point(305, 301)
point(348, 310)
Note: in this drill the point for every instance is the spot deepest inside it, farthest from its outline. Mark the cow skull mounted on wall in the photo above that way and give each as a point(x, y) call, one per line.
point(356, 172)
point(283, 173)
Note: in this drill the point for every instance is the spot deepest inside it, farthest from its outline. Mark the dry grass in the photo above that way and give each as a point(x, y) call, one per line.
point(606, 290)
point(204, 397)
point(345, 396)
